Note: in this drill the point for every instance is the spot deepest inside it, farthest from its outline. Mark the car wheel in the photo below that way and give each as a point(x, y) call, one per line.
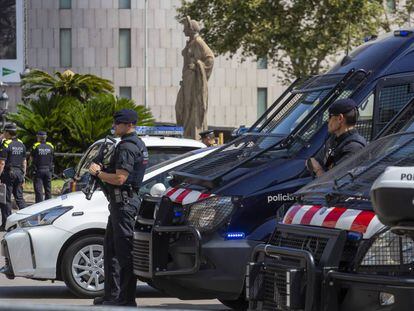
point(83, 266)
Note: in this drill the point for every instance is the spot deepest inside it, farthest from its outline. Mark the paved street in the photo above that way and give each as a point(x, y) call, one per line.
point(25, 291)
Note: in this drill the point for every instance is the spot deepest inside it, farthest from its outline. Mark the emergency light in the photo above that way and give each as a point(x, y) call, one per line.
point(173, 131)
point(235, 235)
point(402, 33)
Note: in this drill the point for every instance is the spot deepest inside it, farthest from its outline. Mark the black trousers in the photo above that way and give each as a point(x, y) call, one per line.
point(14, 185)
point(42, 180)
point(120, 281)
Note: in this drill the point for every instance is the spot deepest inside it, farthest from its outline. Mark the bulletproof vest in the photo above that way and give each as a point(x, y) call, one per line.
point(136, 145)
point(336, 148)
point(43, 155)
point(16, 153)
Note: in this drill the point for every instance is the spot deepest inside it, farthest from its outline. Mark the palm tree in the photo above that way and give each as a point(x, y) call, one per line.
point(38, 83)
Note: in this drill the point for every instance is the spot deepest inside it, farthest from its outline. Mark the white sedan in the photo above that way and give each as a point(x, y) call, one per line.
point(62, 238)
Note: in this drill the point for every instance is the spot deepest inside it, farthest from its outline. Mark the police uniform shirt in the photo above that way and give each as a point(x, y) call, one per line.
point(338, 149)
point(13, 152)
point(42, 154)
point(131, 155)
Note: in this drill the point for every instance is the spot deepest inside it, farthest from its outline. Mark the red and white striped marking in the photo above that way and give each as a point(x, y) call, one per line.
point(365, 222)
point(185, 196)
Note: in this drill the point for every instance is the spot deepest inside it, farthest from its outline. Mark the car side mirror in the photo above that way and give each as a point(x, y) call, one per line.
point(69, 172)
point(157, 190)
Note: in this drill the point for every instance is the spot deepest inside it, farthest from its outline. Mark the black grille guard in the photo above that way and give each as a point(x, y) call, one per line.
point(212, 180)
point(276, 252)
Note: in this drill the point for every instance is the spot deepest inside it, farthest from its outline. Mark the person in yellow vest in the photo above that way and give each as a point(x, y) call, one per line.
point(42, 156)
point(12, 170)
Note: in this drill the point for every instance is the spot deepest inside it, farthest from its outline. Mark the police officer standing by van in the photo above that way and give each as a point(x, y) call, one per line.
point(344, 141)
point(42, 155)
point(208, 138)
point(121, 182)
point(12, 170)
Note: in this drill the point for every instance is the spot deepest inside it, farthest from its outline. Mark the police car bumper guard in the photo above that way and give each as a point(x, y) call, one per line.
point(311, 263)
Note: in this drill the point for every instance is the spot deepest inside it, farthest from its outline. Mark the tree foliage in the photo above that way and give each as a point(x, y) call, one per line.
point(75, 110)
point(38, 83)
point(297, 35)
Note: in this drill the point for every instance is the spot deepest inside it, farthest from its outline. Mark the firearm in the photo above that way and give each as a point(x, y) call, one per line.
point(94, 181)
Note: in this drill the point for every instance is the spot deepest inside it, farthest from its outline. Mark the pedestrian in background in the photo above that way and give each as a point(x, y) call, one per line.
point(121, 183)
point(12, 170)
point(42, 156)
point(208, 138)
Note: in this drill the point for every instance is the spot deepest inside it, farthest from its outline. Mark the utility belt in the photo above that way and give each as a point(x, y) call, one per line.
point(42, 168)
point(122, 195)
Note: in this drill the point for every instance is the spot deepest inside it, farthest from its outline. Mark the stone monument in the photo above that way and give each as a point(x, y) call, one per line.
point(192, 99)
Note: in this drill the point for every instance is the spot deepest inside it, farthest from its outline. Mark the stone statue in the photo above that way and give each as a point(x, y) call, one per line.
point(192, 99)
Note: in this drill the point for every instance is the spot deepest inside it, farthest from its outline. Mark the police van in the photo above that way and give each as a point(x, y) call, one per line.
point(221, 207)
point(330, 251)
point(162, 142)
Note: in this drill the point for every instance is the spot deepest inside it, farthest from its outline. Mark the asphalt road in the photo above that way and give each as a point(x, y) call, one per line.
point(24, 291)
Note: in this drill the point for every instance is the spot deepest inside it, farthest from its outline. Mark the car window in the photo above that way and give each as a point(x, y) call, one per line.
point(161, 154)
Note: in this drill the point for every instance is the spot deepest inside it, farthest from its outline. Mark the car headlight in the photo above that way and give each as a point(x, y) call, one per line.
point(44, 218)
point(210, 213)
point(390, 249)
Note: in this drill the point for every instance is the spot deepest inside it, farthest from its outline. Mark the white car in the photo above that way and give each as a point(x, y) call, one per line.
point(62, 238)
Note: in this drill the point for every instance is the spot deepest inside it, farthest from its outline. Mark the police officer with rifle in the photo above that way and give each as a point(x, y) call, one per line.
point(121, 181)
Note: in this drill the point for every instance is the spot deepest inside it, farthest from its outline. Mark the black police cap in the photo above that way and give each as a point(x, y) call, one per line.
point(10, 127)
point(126, 116)
point(41, 133)
point(342, 106)
point(206, 133)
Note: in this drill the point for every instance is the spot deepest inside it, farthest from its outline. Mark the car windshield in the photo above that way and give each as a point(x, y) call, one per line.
point(283, 117)
point(173, 159)
point(351, 181)
point(161, 154)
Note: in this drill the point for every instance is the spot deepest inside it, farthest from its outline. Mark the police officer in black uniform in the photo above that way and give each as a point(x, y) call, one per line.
point(121, 182)
point(12, 170)
point(208, 138)
point(42, 158)
point(344, 140)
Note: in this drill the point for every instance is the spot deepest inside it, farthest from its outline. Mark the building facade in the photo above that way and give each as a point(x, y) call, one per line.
point(106, 38)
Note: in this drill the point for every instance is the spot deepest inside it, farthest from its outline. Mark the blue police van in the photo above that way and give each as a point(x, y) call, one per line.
point(204, 230)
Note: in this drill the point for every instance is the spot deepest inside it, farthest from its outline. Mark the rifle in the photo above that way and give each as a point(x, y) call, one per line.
point(94, 181)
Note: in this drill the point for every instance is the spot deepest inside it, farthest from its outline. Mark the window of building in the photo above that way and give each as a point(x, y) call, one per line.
point(391, 5)
point(261, 101)
point(262, 63)
point(125, 4)
point(65, 47)
point(124, 48)
point(125, 92)
point(65, 4)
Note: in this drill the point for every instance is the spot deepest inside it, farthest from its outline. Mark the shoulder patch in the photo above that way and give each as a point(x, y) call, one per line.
point(7, 142)
point(36, 145)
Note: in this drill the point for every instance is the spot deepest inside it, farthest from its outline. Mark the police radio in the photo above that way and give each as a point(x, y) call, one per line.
point(103, 151)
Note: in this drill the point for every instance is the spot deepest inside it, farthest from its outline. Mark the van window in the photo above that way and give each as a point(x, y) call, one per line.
point(366, 111)
point(391, 99)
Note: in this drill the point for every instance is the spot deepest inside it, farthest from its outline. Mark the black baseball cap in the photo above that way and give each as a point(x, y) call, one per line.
point(342, 106)
point(126, 116)
point(11, 127)
point(208, 133)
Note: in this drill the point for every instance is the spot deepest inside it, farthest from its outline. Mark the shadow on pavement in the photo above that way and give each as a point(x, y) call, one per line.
point(61, 292)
